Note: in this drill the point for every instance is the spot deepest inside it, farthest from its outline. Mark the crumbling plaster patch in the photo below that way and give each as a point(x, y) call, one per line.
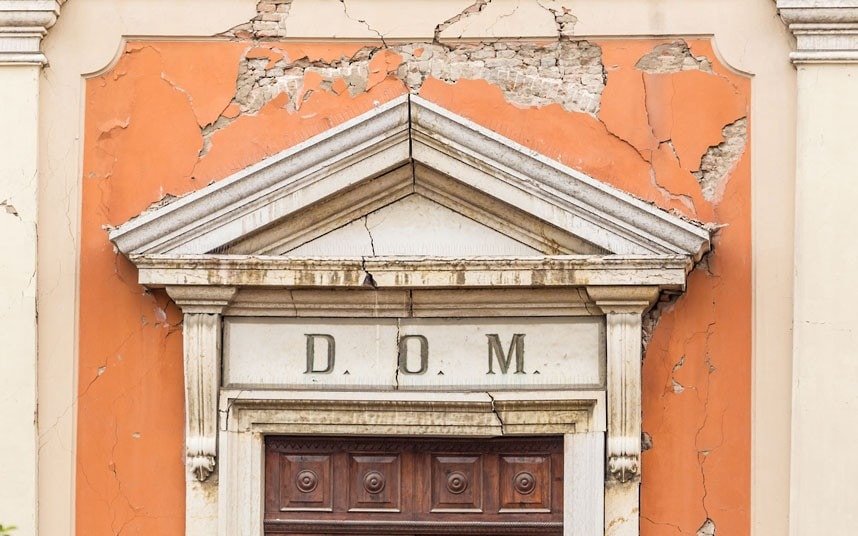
point(672, 58)
point(569, 73)
point(720, 160)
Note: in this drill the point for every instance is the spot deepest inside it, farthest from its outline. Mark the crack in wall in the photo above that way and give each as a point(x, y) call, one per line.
point(368, 280)
point(364, 22)
point(399, 356)
point(677, 528)
point(685, 199)
point(473, 9)
point(365, 220)
point(563, 18)
point(500, 17)
point(677, 387)
point(496, 413)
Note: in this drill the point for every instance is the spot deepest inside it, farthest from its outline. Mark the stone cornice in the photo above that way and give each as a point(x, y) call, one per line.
point(23, 25)
point(826, 31)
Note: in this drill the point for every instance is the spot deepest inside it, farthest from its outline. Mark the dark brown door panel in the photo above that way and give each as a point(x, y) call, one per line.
point(408, 486)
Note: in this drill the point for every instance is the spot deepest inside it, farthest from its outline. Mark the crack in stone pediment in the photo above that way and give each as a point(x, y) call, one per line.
point(467, 180)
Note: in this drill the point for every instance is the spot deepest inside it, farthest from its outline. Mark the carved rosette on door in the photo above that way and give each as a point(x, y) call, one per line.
point(414, 486)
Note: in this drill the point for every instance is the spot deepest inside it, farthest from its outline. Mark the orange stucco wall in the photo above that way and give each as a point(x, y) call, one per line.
point(146, 124)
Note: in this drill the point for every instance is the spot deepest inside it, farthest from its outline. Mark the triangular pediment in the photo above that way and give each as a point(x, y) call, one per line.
point(409, 178)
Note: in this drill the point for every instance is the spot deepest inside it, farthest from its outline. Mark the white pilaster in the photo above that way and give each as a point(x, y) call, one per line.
point(22, 26)
point(825, 370)
point(623, 307)
point(201, 329)
point(202, 338)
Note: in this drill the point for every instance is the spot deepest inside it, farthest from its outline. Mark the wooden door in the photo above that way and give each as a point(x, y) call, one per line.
point(408, 486)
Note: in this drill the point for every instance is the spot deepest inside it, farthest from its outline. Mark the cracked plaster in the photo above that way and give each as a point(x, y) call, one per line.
point(216, 128)
point(530, 75)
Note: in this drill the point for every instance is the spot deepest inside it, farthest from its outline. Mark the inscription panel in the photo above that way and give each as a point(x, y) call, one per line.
point(496, 353)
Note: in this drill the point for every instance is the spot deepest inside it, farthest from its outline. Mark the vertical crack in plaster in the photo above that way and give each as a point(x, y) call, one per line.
point(292, 301)
point(368, 280)
point(120, 493)
point(720, 160)
point(365, 220)
point(496, 413)
point(473, 9)
point(398, 354)
point(677, 387)
point(703, 453)
point(364, 22)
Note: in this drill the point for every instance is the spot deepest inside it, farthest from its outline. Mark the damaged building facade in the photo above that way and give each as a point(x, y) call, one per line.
point(362, 267)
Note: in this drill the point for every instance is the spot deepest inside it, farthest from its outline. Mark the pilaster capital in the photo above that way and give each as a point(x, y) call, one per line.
point(201, 299)
point(623, 299)
point(826, 31)
point(23, 24)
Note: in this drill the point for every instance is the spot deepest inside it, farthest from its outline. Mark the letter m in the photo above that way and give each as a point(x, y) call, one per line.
point(516, 346)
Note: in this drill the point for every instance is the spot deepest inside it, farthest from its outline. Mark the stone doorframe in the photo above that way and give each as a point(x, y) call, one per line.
point(252, 415)
point(226, 427)
point(229, 250)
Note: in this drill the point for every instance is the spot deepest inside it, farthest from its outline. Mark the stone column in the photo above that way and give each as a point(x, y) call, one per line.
point(825, 358)
point(623, 307)
point(23, 24)
point(201, 328)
